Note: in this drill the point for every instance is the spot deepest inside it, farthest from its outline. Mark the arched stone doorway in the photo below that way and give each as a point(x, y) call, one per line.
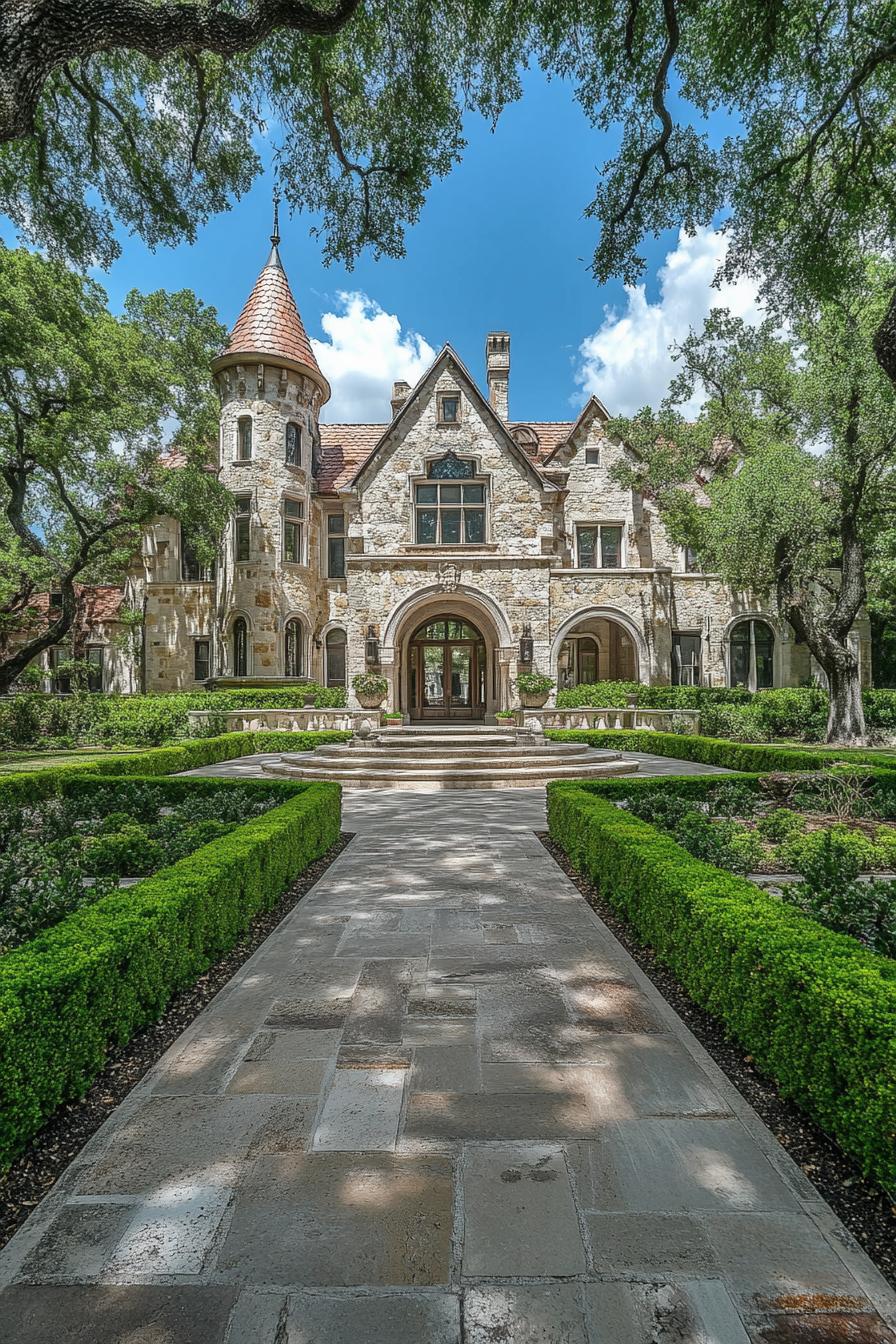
point(598, 645)
point(447, 669)
point(493, 651)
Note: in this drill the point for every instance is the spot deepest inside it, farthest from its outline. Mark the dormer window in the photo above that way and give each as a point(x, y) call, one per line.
point(244, 438)
point(293, 444)
point(449, 408)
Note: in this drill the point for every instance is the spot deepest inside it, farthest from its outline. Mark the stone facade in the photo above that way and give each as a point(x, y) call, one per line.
point(562, 555)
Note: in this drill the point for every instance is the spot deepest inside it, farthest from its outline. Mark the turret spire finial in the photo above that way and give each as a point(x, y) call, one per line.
point(275, 236)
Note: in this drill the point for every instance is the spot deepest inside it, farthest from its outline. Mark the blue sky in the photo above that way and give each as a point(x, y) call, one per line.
point(501, 244)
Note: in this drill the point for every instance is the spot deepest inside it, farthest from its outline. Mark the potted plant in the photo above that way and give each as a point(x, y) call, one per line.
point(506, 715)
point(534, 689)
point(393, 719)
point(370, 689)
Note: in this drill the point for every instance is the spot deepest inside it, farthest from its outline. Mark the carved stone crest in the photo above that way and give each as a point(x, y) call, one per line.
point(448, 578)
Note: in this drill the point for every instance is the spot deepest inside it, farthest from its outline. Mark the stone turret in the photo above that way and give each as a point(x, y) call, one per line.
point(271, 390)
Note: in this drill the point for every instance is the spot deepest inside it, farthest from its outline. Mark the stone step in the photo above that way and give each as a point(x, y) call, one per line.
point(382, 776)
point(415, 738)
point(351, 751)
point(358, 759)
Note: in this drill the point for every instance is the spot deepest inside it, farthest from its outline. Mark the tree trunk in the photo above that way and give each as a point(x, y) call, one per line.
point(885, 340)
point(846, 714)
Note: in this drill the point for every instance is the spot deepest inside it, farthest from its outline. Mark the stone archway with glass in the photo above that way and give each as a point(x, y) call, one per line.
point(447, 670)
point(751, 654)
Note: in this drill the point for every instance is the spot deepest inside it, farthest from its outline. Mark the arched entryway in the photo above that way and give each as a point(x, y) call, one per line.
point(599, 644)
point(447, 669)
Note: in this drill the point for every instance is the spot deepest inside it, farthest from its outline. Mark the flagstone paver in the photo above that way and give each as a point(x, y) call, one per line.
point(439, 1103)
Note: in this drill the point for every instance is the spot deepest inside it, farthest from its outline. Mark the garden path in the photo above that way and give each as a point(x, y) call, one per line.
point(439, 1103)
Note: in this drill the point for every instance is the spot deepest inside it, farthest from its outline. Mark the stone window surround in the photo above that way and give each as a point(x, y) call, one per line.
point(601, 523)
point(202, 639)
point(452, 395)
point(300, 445)
point(295, 617)
point(245, 515)
point(298, 521)
point(241, 419)
point(592, 448)
point(479, 477)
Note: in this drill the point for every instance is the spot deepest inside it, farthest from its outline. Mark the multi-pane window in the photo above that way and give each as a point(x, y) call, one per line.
point(241, 526)
point(244, 438)
point(295, 649)
point(293, 444)
point(450, 514)
point(449, 408)
point(751, 655)
point(692, 563)
point(201, 659)
point(592, 457)
point(240, 646)
point(95, 660)
point(335, 657)
point(685, 658)
point(293, 516)
point(336, 546)
point(191, 571)
point(599, 546)
point(62, 682)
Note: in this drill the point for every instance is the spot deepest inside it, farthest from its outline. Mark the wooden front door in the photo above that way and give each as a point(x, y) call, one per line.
point(446, 673)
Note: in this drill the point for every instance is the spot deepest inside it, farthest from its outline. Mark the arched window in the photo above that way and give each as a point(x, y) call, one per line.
point(752, 655)
point(240, 647)
point(295, 649)
point(335, 650)
point(244, 438)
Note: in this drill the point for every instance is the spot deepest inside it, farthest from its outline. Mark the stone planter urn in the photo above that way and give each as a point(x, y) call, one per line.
point(534, 699)
point(370, 689)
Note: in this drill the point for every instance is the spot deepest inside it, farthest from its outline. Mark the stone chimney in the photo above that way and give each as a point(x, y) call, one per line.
point(400, 392)
point(497, 365)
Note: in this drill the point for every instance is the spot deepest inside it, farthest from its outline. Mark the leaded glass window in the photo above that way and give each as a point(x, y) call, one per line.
point(450, 468)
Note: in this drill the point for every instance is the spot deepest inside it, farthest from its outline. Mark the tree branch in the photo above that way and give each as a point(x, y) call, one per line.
point(37, 39)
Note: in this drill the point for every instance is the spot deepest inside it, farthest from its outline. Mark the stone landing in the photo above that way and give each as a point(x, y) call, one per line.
point(431, 758)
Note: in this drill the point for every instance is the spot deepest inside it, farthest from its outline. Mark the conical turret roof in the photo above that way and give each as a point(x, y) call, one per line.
point(270, 327)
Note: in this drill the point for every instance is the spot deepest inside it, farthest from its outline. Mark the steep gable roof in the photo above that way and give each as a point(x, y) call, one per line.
point(593, 407)
point(448, 356)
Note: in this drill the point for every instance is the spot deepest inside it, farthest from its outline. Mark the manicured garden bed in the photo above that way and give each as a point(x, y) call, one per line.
point(814, 1008)
point(108, 968)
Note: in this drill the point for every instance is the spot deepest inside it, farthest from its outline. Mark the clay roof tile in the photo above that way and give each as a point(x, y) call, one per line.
point(270, 323)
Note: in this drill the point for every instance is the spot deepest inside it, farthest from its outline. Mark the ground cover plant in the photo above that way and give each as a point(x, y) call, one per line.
point(61, 853)
point(813, 1007)
point(828, 831)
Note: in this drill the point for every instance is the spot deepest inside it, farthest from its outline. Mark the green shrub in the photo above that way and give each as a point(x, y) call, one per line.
point(780, 824)
point(815, 1009)
point(695, 747)
point(109, 969)
point(731, 798)
point(835, 852)
point(130, 852)
point(614, 695)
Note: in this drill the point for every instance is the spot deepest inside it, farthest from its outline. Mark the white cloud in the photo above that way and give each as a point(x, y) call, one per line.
point(366, 351)
point(626, 362)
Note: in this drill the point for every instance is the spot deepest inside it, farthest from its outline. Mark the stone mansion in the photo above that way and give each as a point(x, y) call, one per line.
point(449, 548)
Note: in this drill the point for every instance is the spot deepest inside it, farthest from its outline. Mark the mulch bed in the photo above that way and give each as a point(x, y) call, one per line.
point(863, 1206)
point(65, 1134)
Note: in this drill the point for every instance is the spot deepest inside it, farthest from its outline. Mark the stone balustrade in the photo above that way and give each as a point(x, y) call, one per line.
point(285, 720)
point(630, 717)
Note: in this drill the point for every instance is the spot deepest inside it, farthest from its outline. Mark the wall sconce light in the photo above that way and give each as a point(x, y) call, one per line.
point(372, 646)
point(527, 648)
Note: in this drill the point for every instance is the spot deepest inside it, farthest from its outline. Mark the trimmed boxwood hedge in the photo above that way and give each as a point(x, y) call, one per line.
point(109, 969)
point(712, 750)
point(815, 1009)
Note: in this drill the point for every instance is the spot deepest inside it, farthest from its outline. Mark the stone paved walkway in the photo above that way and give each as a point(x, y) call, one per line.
point(439, 1104)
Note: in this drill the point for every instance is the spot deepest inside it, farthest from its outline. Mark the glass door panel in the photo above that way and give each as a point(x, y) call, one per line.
point(433, 676)
point(461, 657)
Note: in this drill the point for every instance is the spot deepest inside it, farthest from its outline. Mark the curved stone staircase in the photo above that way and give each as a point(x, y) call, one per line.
point(447, 757)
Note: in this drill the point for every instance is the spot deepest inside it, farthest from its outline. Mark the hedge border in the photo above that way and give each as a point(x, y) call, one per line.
point(815, 1009)
point(109, 969)
point(740, 756)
